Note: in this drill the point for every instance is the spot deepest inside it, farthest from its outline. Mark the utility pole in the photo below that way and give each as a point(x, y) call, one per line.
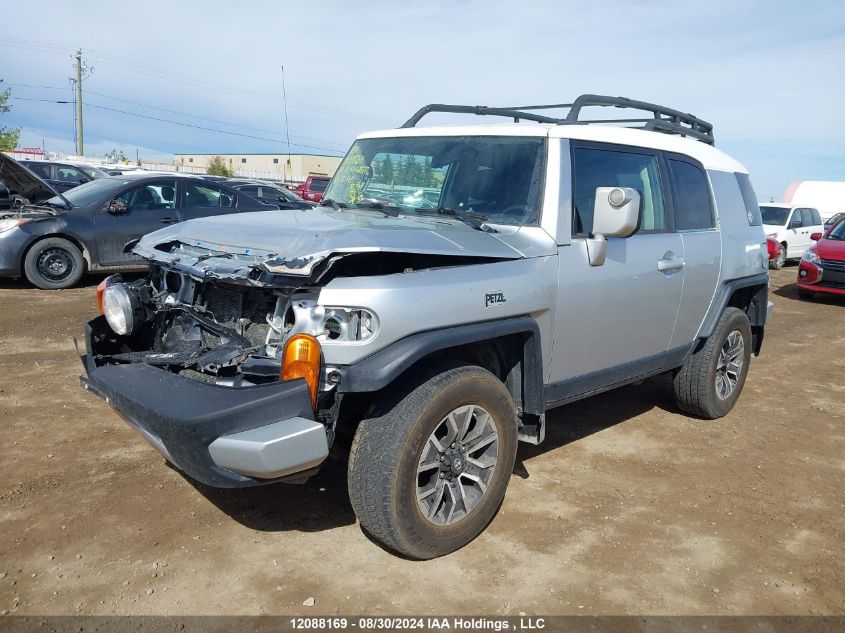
point(78, 66)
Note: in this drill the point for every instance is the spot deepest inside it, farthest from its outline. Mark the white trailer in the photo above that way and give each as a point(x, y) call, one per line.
point(828, 196)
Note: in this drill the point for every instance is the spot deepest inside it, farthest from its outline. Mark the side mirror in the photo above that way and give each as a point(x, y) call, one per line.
point(796, 223)
point(616, 213)
point(815, 236)
point(116, 207)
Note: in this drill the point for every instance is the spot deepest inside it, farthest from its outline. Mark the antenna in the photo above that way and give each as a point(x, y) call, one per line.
point(287, 129)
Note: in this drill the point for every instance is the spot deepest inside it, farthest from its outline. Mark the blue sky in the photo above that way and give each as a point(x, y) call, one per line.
point(769, 75)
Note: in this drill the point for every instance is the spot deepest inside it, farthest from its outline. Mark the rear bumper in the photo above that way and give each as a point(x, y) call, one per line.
point(225, 437)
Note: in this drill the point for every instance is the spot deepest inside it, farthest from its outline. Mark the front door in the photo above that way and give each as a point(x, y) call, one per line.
point(616, 320)
point(149, 207)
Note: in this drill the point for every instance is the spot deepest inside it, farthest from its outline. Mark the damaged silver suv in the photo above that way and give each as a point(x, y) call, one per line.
point(455, 284)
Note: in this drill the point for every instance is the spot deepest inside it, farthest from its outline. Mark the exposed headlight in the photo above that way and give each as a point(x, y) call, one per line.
point(118, 309)
point(349, 324)
point(10, 223)
point(810, 256)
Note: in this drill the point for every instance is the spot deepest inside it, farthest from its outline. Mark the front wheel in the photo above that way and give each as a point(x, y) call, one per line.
point(429, 474)
point(710, 381)
point(54, 263)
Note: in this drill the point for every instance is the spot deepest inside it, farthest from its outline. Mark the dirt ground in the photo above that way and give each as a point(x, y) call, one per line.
point(629, 507)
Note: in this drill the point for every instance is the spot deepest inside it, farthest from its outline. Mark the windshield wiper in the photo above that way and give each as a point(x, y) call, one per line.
point(390, 210)
point(328, 202)
point(475, 220)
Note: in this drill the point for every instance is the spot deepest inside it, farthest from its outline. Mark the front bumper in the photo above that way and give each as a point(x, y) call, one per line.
point(225, 437)
point(13, 243)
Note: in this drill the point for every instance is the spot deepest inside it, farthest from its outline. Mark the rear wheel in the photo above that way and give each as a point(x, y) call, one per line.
point(54, 263)
point(429, 474)
point(710, 381)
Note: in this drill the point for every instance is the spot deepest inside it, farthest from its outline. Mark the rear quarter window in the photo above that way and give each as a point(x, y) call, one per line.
point(693, 206)
point(752, 209)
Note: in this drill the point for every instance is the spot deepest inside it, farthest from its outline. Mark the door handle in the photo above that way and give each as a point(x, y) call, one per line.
point(169, 220)
point(670, 264)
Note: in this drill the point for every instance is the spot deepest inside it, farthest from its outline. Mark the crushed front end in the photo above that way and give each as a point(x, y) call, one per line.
point(222, 376)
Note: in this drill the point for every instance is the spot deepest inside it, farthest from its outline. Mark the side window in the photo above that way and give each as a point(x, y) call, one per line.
point(796, 221)
point(250, 190)
point(202, 195)
point(69, 174)
point(807, 217)
point(817, 217)
point(160, 195)
point(608, 168)
point(42, 171)
point(693, 208)
point(752, 209)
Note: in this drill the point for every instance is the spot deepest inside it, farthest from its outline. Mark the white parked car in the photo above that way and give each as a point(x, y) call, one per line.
point(792, 226)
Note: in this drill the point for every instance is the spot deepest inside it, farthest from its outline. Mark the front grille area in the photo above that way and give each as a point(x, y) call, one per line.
point(244, 311)
point(833, 265)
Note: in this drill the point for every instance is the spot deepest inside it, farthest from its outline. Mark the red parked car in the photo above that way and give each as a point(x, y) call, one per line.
point(777, 256)
point(313, 188)
point(822, 268)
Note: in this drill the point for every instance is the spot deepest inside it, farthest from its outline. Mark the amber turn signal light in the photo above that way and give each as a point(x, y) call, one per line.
point(101, 288)
point(301, 359)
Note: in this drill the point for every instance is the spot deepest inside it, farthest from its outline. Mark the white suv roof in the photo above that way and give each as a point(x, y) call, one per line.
point(707, 155)
point(675, 131)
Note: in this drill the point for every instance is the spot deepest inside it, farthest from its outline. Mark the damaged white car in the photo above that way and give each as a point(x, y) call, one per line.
point(454, 285)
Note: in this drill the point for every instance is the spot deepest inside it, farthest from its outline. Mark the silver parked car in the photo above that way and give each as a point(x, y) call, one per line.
point(556, 260)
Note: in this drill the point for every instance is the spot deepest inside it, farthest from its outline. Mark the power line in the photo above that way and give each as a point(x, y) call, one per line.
point(190, 125)
point(185, 114)
point(184, 78)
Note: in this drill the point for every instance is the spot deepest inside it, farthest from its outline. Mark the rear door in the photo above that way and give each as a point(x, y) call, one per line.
point(695, 222)
point(616, 320)
point(202, 199)
point(149, 206)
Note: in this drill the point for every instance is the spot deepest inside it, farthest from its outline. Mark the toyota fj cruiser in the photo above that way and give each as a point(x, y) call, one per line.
point(455, 284)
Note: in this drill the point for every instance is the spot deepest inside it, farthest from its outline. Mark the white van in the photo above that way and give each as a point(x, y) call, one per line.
point(792, 226)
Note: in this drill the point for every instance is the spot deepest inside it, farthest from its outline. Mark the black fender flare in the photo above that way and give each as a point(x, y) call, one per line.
point(381, 368)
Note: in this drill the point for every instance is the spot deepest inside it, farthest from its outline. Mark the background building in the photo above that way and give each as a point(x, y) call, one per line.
point(290, 168)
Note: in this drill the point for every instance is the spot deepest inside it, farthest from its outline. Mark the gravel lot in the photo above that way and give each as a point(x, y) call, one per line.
point(629, 506)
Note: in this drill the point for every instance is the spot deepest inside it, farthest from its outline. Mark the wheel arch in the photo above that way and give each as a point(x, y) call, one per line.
point(510, 349)
point(86, 255)
point(749, 294)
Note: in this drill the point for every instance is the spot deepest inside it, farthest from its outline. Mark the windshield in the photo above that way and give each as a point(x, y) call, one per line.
point(774, 215)
point(280, 192)
point(838, 231)
point(93, 172)
point(102, 189)
point(494, 177)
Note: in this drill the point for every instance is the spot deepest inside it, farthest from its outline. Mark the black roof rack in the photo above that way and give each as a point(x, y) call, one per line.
point(663, 119)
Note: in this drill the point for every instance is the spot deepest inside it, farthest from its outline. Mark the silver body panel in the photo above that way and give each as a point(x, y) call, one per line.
point(616, 313)
point(278, 449)
point(651, 294)
point(438, 298)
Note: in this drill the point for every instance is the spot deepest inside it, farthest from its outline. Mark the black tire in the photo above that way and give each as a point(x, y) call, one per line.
point(386, 452)
point(778, 262)
point(54, 263)
point(695, 383)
